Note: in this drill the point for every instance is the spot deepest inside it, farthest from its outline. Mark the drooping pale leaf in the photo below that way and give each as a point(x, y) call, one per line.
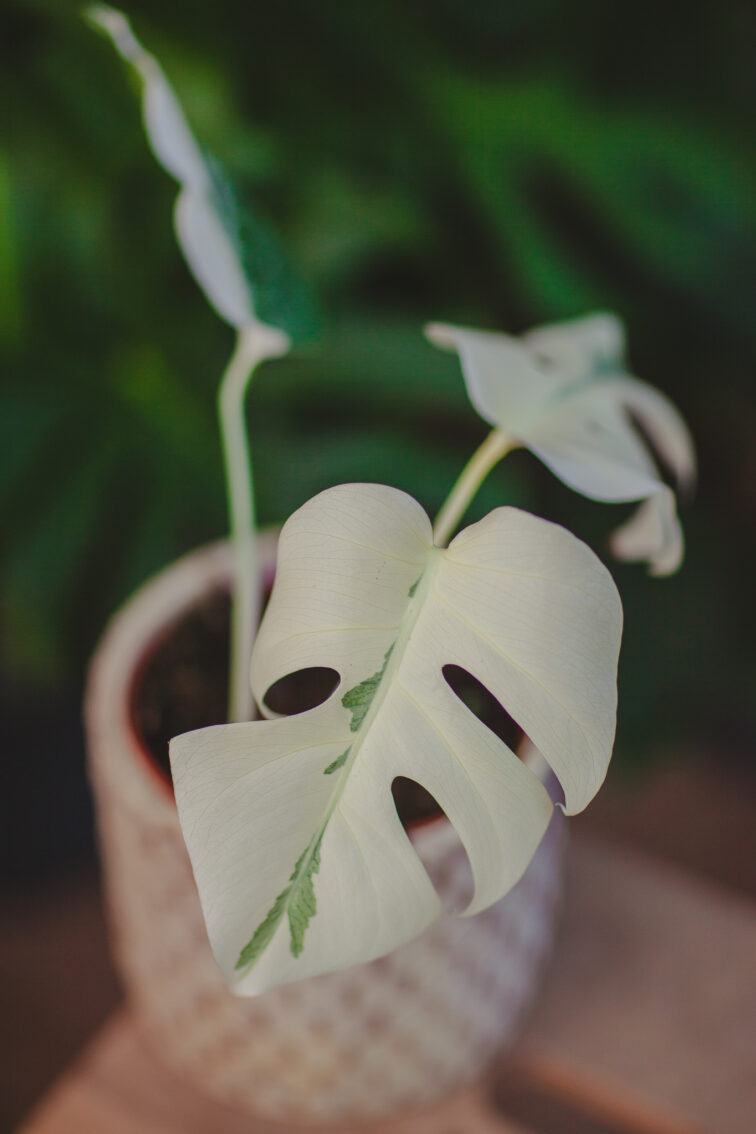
point(563, 392)
point(653, 524)
point(300, 859)
point(233, 256)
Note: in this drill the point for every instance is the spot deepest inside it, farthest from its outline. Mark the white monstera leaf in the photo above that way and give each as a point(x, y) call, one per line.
point(207, 227)
point(300, 859)
point(563, 392)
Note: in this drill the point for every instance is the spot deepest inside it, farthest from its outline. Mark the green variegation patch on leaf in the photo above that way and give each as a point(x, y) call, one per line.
point(359, 699)
point(262, 936)
point(281, 297)
point(297, 901)
point(302, 904)
point(517, 602)
point(339, 762)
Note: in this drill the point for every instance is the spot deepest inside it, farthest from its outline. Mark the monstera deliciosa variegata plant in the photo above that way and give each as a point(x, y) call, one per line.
point(301, 861)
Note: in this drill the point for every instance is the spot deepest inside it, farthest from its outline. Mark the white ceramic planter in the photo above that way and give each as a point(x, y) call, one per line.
point(391, 1035)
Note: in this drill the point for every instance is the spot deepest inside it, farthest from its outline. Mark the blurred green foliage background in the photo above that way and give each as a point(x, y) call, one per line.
point(498, 164)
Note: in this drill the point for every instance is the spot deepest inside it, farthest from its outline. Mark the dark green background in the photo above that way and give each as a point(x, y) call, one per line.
point(498, 164)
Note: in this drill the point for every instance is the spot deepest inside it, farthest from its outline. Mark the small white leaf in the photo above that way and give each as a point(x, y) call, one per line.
point(563, 393)
point(300, 859)
point(210, 252)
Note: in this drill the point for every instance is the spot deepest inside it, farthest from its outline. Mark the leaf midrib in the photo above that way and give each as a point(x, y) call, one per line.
point(413, 610)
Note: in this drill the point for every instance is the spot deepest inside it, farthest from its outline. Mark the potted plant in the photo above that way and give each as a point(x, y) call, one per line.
point(313, 972)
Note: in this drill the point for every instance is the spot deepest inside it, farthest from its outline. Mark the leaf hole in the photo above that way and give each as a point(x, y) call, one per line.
point(482, 704)
point(451, 872)
point(300, 691)
point(413, 803)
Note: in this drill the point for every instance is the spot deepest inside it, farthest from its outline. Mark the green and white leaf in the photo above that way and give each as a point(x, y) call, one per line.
point(232, 254)
point(302, 864)
point(564, 393)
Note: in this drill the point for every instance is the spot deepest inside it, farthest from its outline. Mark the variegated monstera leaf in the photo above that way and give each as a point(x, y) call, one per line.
point(300, 858)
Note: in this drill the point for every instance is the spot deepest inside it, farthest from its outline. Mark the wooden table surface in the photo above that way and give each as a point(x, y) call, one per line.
point(646, 1025)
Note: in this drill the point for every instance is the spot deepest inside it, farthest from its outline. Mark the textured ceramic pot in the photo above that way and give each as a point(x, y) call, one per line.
point(372, 1041)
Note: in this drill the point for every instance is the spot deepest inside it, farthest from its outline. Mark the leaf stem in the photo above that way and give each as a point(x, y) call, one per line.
point(496, 445)
point(254, 344)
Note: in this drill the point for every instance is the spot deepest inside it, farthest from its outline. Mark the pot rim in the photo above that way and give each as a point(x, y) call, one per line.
point(118, 752)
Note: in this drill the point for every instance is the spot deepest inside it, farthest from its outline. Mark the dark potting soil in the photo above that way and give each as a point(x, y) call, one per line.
point(183, 682)
point(183, 685)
